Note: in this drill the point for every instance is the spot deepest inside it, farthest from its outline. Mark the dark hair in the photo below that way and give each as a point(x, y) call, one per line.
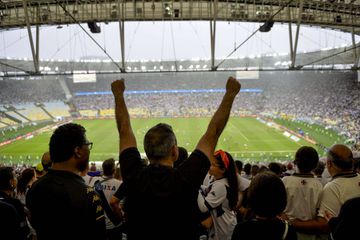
point(183, 155)
point(64, 141)
point(247, 168)
point(266, 195)
point(239, 165)
point(320, 167)
point(275, 168)
point(158, 141)
point(231, 175)
point(6, 174)
point(26, 176)
point(306, 159)
point(108, 167)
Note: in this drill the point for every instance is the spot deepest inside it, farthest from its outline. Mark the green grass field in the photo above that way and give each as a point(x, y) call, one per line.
point(246, 138)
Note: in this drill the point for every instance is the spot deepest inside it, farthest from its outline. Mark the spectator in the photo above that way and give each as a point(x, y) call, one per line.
point(247, 170)
point(9, 222)
point(345, 225)
point(344, 186)
point(54, 214)
point(289, 169)
point(220, 197)
point(7, 190)
point(254, 170)
point(46, 161)
point(160, 198)
point(39, 170)
point(303, 189)
point(239, 166)
point(26, 179)
point(267, 199)
point(109, 185)
point(183, 155)
point(275, 168)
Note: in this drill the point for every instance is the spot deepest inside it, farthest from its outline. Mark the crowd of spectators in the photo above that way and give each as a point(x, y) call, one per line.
point(326, 98)
point(30, 91)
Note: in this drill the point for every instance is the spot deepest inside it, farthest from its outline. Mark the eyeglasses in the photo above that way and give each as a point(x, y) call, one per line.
point(89, 144)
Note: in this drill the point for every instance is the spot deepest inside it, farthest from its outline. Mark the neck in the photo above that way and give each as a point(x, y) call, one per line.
point(66, 166)
point(164, 162)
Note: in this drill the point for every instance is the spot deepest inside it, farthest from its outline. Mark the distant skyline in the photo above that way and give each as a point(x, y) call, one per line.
point(166, 41)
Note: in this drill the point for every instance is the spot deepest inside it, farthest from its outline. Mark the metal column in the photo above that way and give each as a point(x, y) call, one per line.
point(293, 60)
point(213, 10)
point(122, 35)
point(35, 60)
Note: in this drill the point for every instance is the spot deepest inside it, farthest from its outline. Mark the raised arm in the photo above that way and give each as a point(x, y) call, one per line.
point(218, 122)
point(127, 137)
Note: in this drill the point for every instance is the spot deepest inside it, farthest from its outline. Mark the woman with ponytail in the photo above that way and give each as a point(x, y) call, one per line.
point(219, 196)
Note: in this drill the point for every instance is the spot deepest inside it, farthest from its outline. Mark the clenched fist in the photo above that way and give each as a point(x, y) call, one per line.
point(118, 87)
point(233, 86)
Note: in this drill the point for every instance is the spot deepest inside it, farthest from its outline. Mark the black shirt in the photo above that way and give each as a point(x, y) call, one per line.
point(161, 201)
point(263, 229)
point(345, 226)
point(10, 222)
point(62, 206)
point(23, 229)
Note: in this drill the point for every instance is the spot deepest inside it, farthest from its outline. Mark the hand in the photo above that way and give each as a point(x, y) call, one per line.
point(118, 87)
point(233, 86)
point(328, 215)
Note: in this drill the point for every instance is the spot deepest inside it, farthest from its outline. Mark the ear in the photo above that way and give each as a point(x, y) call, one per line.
point(77, 152)
point(329, 164)
point(174, 152)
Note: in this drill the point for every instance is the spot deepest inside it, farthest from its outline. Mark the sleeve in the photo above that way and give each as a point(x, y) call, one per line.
point(194, 169)
point(97, 213)
point(213, 199)
point(329, 201)
point(130, 162)
point(121, 192)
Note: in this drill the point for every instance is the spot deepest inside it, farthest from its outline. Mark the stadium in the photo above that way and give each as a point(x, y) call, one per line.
point(294, 125)
point(299, 97)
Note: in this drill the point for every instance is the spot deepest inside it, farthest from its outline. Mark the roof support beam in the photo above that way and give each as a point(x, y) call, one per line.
point(293, 60)
point(213, 10)
point(122, 35)
point(290, 36)
point(35, 60)
point(37, 37)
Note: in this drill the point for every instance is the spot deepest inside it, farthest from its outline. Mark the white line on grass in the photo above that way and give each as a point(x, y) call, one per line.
point(238, 129)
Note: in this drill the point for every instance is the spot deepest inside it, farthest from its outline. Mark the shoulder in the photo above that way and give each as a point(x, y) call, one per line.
point(197, 154)
point(130, 152)
point(243, 183)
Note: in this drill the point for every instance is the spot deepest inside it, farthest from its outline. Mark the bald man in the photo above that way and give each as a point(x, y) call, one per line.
point(46, 161)
point(345, 185)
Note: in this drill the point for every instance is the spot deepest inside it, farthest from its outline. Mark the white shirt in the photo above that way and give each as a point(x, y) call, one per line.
point(243, 184)
point(109, 187)
point(303, 196)
point(223, 225)
point(336, 192)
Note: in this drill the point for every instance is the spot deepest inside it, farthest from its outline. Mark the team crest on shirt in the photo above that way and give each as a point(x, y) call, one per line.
point(303, 182)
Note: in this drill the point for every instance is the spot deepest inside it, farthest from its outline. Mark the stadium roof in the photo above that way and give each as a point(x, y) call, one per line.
point(341, 15)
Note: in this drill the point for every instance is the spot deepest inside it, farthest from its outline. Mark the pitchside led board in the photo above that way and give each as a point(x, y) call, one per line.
point(84, 77)
point(247, 75)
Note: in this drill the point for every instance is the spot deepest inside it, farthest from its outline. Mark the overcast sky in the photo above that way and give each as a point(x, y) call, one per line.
point(166, 41)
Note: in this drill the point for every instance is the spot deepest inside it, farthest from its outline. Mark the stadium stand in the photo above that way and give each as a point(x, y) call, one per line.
point(32, 112)
point(57, 108)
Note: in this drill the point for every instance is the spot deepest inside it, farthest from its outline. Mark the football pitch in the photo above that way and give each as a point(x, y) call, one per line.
point(246, 138)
